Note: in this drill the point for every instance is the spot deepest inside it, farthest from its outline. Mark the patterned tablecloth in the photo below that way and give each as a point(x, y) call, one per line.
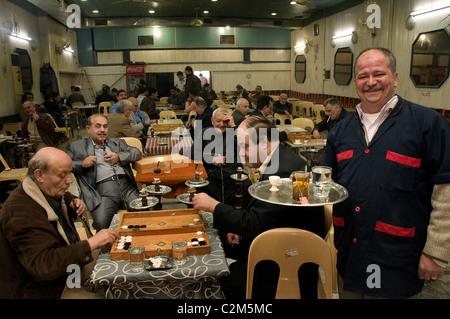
point(196, 279)
point(166, 145)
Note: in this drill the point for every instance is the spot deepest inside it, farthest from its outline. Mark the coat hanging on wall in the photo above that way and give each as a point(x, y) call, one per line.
point(48, 80)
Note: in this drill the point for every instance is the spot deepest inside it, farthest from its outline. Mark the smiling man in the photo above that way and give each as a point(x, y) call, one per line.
point(393, 156)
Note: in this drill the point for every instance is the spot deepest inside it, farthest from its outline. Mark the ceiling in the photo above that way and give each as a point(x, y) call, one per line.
point(184, 13)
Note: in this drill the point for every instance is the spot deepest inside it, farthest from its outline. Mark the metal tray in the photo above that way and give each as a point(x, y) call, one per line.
point(137, 203)
point(163, 189)
point(283, 196)
point(184, 198)
point(193, 182)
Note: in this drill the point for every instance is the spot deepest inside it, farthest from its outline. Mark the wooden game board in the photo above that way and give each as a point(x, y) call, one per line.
point(161, 228)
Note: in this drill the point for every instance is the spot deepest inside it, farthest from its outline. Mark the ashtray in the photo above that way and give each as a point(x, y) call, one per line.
point(137, 203)
point(158, 262)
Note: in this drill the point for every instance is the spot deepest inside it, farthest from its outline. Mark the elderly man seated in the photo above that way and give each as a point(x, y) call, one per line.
point(102, 168)
point(38, 240)
point(282, 106)
point(38, 128)
point(242, 107)
point(119, 123)
point(217, 149)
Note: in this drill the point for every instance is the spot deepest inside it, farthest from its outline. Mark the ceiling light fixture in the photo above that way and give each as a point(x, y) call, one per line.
point(23, 37)
point(151, 11)
point(410, 21)
point(94, 11)
point(274, 13)
point(343, 35)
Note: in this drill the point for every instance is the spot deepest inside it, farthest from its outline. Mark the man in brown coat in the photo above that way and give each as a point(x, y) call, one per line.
point(118, 123)
point(38, 240)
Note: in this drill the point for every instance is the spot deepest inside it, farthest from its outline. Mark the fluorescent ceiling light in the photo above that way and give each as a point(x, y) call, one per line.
point(342, 35)
point(416, 13)
point(23, 37)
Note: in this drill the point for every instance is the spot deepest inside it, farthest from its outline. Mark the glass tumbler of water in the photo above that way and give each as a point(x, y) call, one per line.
point(321, 181)
point(137, 255)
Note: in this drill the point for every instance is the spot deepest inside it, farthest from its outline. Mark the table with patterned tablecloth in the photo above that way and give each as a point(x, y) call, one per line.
point(166, 145)
point(196, 279)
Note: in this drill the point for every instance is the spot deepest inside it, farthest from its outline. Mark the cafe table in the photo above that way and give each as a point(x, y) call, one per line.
point(196, 279)
point(183, 169)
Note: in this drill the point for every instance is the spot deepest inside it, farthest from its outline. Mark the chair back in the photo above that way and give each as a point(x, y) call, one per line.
point(192, 114)
point(329, 237)
point(317, 111)
point(307, 108)
point(304, 123)
point(133, 141)
point(163, 99)
point(297, 108)
point(280, 119)
point(217, 103)
point(290, 248)
point(167, 115)
point(105, 107)
point(12, 174)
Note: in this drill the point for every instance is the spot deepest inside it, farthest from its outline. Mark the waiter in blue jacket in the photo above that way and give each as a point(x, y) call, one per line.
point(393, 156)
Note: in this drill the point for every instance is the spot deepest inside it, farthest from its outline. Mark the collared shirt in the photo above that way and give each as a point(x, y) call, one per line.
point(55, 204)
point(140, 117)
point(180, 84)
point(371, 125)
point(105, 169)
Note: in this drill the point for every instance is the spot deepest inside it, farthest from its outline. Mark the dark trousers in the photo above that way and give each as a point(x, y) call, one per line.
point(112, 201)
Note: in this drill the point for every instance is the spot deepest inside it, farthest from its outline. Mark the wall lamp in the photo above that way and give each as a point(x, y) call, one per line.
point(410, 21)
point(343, 35)
point(20, 36)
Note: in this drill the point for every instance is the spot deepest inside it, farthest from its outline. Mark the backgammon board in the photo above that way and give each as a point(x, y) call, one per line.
point(155, 230)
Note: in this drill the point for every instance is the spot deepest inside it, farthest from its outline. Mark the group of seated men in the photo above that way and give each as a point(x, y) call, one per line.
point(101, 163)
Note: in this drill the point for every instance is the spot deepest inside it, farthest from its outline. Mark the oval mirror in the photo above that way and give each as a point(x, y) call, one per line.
point(343, 66)
point(430, 58)
point(300, 69)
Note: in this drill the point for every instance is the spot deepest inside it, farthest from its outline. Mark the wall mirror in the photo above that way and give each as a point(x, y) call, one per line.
point(430, 58)
point(300, 69)
point(343, 65)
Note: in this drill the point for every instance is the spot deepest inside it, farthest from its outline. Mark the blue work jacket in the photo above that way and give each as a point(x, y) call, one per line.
point(381, 229)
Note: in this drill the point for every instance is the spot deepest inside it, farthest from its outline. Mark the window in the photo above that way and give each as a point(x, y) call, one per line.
point(343, 64)
point(145, 40)
point(430, 59)
point(227, 39)
point(300, 69)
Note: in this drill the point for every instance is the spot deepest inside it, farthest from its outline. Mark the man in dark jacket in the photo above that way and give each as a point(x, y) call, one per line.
point(192, 82)
point(334, 112)
point(38, 240)
point(262, 150)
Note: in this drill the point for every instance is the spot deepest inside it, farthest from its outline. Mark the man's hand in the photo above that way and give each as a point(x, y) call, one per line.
point(89, 161)
point(219, 160)
point(232, 239)
point(316, 134)
point(112, 158)
point(102, 238)
point(428, 269)
point(79, 207)
point(204, 202)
